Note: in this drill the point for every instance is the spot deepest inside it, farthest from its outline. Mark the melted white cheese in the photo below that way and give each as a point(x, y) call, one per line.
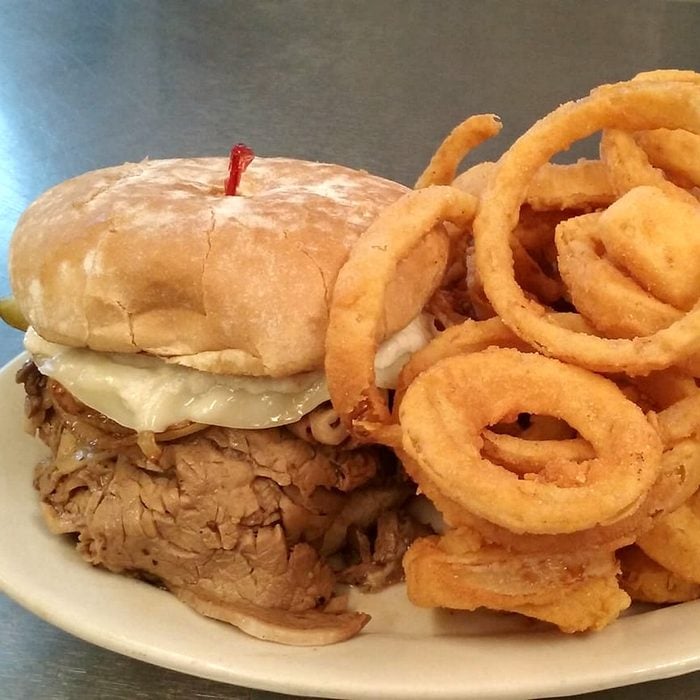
point(144, 393)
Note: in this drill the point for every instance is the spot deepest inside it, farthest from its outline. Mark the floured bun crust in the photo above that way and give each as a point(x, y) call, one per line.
point(153, 257)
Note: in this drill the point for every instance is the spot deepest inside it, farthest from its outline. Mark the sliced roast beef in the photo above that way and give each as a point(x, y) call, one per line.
point(237, 523)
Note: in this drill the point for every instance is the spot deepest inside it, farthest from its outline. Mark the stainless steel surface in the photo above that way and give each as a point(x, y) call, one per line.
point(371, 84)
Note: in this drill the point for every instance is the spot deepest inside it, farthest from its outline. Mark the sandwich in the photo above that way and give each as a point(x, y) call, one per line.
point(177, 321)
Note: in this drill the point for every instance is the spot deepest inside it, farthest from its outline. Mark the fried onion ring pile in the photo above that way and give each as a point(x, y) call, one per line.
point(554, 421)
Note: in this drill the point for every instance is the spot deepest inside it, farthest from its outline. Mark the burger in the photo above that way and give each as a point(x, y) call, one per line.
point(176, 343)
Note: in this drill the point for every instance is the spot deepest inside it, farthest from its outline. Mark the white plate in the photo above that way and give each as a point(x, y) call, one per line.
point(403, 653)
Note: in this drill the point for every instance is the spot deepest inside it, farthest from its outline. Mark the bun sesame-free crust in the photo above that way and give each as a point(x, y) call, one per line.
point(153, 257)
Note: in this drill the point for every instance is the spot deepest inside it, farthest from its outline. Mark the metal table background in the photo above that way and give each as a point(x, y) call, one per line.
point(370, 84)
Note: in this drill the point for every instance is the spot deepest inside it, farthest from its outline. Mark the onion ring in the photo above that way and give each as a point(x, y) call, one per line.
point(665, 388)
point(458, 572)
point(611, 300)
point(563, 498)
point(356, 318)
point(518, 455)
point(579, 186)
point(679, 479)
point(676, 152)
point(676, 397)
point(629, 166)
point(681, 420)
point(611, 265)
point(522, 456)
point(463, 138)
point(674, 541)
point(656, 240)
point(648, 582)
point(629, 106)
point(463, 339)
point(469, 337)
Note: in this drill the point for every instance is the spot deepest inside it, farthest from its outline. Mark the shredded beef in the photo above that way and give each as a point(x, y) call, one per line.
point(238, 523)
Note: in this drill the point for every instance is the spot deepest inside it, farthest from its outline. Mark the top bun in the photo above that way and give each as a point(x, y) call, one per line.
point(153, 257)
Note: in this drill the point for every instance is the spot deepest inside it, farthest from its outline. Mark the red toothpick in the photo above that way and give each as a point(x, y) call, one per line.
point(241, 157)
